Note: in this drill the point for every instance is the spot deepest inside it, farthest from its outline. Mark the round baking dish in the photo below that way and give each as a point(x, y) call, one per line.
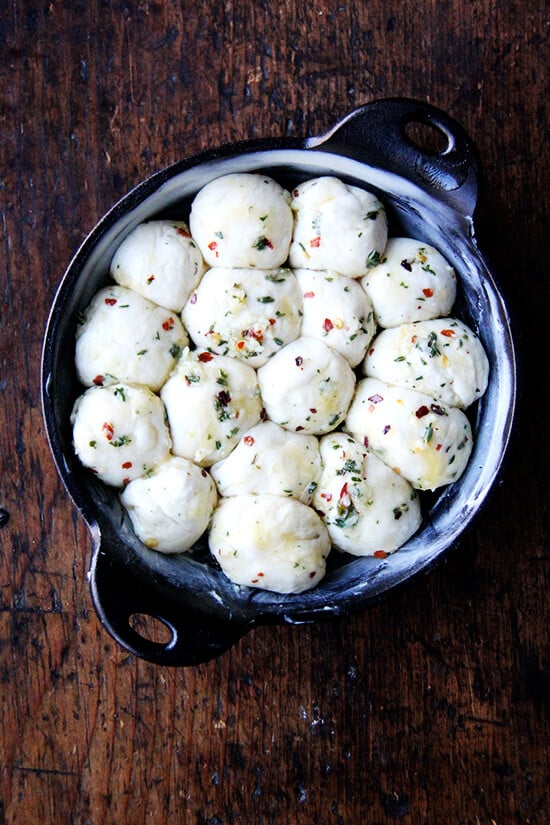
point(430, 195)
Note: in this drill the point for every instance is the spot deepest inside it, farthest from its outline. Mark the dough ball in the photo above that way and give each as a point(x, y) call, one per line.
point(242, 220)
point(161, 261)
point(307, 387)
point(119, 432)
point(337, 311)
point(412, 282)
point(123, 337)
point(337, 227)
point(170, 508)
point(442, 358)
point(269, 542)
point(211, 400)
point(270, 460)
point(427, 443)
point(246, 313)
point(368, 509)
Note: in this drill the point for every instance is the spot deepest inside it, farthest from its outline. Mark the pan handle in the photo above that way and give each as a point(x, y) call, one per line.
point(399, 135)
point(119, 597)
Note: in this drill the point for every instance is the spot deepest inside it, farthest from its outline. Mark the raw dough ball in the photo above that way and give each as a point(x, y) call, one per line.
point(246, 313)
point(368, 509)
point(270, 460)
point(171, 507)
point(161, 261)
point(242, 220)
point(123, 337)
point(412, 282)
point(307, 387)
point(426, 443)
point(211, 400)
point(442, 358)
point(337, 227)
point(337, 311)
point(119, 432)
point(269, 542)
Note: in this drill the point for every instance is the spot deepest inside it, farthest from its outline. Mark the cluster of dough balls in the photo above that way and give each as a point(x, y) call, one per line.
point(278, 373)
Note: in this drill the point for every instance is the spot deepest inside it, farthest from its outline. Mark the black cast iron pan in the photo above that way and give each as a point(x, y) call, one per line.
point(429, 195)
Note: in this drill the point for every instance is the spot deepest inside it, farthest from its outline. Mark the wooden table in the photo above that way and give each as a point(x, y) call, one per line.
point(429, 708)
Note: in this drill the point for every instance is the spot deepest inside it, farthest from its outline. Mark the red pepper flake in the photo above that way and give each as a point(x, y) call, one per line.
point(328, 325)
point(254, 581)
point(126, 465)
point(428, 292)
point(183, 232)
point(299, 361)
point(413, 339)
point(375, 399)
point(212, 245)
point(371, 350)
point(422, 411)
point(327, 496)
point(108, 429)
point(435, 408)
point(240, 345)
point(272, 321)
point(257, 334)
point(313, 410)
point(438, 447)
point(205, 356)
point(125, 481)
point(98, 381)
point(260, 575)
point(312, 574)
point(296, 193)
point(344, 490)
point(366, 441)
point(248, 440)
point(224, 398)
point(204, 474)
point(309, 295)
point(168, 324)
point(110, 301)
point(315, 242)
point(380, 554)
point(193, 298)
point(386, 429)
point(150, 279)
point(448, 333)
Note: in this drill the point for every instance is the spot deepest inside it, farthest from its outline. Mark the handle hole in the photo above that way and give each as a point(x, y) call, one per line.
point(427, 137)
point(151, 628)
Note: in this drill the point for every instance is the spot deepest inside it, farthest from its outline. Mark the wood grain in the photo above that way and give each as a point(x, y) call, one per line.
point(429, 708)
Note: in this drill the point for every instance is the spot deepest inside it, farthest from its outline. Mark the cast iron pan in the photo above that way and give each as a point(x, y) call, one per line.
point(429, 195)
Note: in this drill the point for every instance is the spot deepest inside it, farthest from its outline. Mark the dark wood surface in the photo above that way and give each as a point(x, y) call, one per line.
point(430, 708)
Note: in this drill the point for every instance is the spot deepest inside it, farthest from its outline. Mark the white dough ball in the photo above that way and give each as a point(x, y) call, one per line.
point(442, 358)
point(268, 542)
point(161, 261)
point(426, 443)
point(123, 337)
point(337, 311)
point(270, 460)
point(338, 227)
point(242, 220)
point(246, 313)
point(119, 432)
point(170, 508)
point(211, 400)
point(412, 282)
point(367, 507)
point(307, 387)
